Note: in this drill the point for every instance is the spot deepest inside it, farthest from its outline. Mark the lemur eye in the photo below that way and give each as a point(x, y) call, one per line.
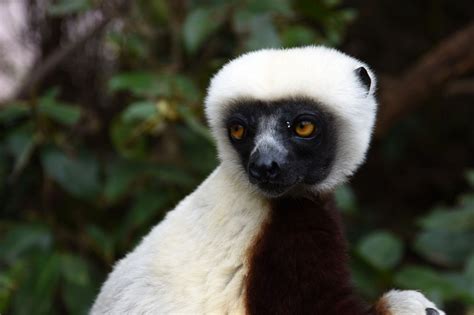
point(305, 128)
point(237, 131)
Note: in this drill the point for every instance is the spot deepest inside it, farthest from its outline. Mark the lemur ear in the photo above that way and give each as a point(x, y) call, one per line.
point(364, 77)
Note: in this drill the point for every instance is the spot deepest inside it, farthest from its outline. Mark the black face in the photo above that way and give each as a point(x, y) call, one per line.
point(283, 144)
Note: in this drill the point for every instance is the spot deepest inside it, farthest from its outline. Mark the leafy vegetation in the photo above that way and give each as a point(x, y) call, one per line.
point(444, 242)
point(81, 182)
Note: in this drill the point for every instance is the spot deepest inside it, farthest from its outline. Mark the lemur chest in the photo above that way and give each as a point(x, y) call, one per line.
point(289, 259)
point(298, 262)
point(213, 256)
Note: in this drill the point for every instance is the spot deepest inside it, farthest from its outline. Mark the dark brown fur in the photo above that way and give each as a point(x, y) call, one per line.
point(299, 263)
point(381, 308)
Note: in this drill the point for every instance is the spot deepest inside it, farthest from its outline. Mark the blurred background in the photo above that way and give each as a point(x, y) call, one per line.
point(102, 132)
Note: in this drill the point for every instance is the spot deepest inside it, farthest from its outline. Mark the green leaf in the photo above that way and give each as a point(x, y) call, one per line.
point(4, 170)
point(21, 143)
point(240, 21)
point(336, 24)
point(132, 45)
point(282, 7)
point(125, 141)
point(146, 206)
point(60, 112)
point(171, 175)
point(140, 83)
point(263, 33)
point(298, 35)
point(198, 26)
point(150, 85)
point(469, 269)
point(345, 199)
point(318, 11)
point(186, 88)
point(19, 140)
point(431, 282)
point(158, 11)
point(36, 291)
point(101, 241)
point(119, 177)
point(365, 279)
point(65, 7)
point(78, 298)
point(46, 281)
point(467, 200)
point(468, 277)
point(381, 249)
point(345, 16)
point(139, 111)
point(195, 125)
point(200, 148)
point(78, 289)
point(74, 269)
point(7, 284)
point(470, 178)
point(13, 111)
point(77, 175)
point(450, 220)
point(23, 239)
point(332, 3)
point(449, 248)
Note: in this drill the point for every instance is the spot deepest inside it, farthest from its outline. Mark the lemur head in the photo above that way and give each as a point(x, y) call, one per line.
point(291, 120)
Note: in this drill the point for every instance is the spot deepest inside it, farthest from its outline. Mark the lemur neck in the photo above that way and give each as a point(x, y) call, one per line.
point(299, 262)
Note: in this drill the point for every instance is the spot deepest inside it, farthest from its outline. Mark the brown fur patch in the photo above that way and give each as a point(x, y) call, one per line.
point(381, 307)
point(299, 263)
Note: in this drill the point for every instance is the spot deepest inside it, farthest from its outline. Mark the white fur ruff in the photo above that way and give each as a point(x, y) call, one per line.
point(194, 262)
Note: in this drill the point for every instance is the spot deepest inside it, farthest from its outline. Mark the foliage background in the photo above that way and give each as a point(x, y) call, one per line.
point(98, 143)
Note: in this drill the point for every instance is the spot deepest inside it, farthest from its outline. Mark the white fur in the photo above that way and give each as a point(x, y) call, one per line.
point(322, 74)
point(408, 303)
point(194, 261)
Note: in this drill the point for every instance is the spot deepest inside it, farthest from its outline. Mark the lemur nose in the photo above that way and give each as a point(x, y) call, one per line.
point(264, 169)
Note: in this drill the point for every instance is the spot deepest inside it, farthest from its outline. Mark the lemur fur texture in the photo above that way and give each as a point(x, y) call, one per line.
point(261, 234)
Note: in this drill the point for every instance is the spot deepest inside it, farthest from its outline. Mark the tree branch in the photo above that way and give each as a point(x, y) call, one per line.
point(51, 62)
point(452, 58)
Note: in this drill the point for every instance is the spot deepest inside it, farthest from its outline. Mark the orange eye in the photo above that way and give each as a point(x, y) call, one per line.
point(305, 128)
point(237, 132)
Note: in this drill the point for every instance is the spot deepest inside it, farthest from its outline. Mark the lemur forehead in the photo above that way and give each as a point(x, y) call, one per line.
point(318, 72)
point(254, 109)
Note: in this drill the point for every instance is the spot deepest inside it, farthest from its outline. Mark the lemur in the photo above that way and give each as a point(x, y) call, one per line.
point(261, 234)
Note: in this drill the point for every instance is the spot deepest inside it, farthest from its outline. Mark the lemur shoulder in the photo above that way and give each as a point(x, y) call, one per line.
point(261, 234)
